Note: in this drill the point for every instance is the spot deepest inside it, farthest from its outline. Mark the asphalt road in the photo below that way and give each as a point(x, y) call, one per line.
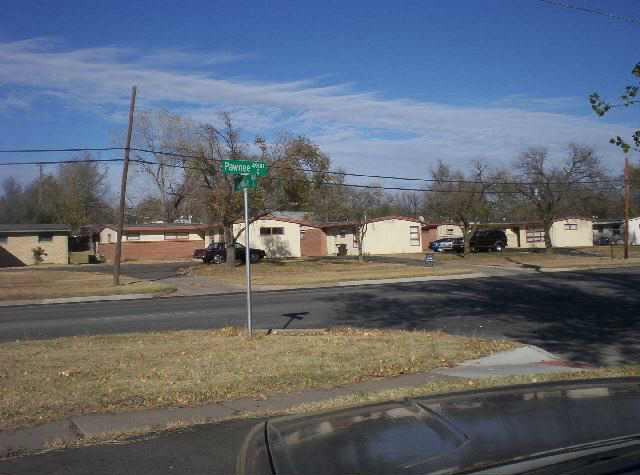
point(205, 449)
point(591, 316)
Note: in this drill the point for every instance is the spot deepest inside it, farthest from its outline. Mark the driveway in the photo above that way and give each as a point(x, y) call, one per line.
point(142, 271)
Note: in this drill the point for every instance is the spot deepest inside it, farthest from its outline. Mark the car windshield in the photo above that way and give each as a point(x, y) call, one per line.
point(215, 215)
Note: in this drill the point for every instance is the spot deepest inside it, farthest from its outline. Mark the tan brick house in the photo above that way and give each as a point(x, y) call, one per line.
point(18, 242)
point(162, 241)
point(385, 235)
point(284, 237)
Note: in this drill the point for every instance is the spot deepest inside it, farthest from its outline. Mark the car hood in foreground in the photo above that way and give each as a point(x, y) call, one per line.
point(446, 434)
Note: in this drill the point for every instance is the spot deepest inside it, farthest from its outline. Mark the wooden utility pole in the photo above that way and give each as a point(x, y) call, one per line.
point(626, 206)
point(123, 191)
point(40, 180)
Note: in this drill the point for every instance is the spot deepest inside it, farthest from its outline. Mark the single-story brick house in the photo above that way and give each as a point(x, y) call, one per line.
point(18, 241)
point(284, 237)
point(162, 241)
point(566, 232)
point(386, 235)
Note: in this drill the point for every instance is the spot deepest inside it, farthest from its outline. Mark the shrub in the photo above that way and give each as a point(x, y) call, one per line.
point(38, 255)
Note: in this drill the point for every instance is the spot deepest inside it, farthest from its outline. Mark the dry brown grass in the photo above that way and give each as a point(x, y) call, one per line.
point(301, 272)
point(44, 284)
point(519, 258)
point(46, 380)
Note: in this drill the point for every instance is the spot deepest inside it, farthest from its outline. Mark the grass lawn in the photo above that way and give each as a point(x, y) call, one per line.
point(42, 284)
point(600, 256)
point(320, 271)
point(46, 380)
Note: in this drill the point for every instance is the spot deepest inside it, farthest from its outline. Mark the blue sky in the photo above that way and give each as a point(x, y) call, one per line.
point(383, 87)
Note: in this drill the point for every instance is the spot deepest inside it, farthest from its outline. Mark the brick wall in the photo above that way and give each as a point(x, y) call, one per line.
point(151, 250)
point(428, 235)
point(314, 243)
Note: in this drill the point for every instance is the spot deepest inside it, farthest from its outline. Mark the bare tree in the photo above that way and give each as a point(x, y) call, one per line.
point(164, 134)
point(82, 193)
point(409, 203)
point(363, 205)
point(460, 198)
point(555, 189)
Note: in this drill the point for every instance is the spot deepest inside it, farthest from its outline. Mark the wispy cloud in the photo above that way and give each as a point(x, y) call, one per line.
point(360, 129)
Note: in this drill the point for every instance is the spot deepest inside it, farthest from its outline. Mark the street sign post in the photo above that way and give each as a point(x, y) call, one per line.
point(246, 173)
point(244, 167)
point(243, 182)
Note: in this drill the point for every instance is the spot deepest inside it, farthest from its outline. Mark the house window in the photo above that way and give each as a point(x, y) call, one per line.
point(45, 237)
point(132, 236)
point(302, 231)
point(3, 238)
point(570, 226)
point(271, 231)
point(414, 235)
point(535, 235)
point(176, 236)
point(109, 237)
point(342, 233)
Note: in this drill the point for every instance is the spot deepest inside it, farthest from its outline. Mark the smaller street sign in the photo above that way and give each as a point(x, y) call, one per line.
point(245, 181)
point(244, 167)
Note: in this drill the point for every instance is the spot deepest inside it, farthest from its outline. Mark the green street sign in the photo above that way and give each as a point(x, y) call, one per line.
point(244, 167)
point(245, 181)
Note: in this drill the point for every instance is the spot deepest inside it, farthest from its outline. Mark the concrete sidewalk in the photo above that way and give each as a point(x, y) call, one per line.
point(521, 361)
point(194, 286)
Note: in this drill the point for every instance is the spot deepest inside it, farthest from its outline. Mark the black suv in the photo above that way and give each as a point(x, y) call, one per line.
point(488, 240)
point(217, 253)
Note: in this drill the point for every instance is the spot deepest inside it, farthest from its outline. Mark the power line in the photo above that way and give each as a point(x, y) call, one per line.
point(371, 187)
point(78, 149)
point(593, 11)
point(185, 157)
point(58, 162)
point(363, 175)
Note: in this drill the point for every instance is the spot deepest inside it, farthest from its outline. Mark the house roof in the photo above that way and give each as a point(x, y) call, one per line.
point(374, 220)
point(35, 228)
point(284, 220)
point(165, 227)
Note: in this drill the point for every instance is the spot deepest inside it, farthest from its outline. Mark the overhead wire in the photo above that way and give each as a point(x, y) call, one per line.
point(183, 156)
point(372, 187)
point(593, 11)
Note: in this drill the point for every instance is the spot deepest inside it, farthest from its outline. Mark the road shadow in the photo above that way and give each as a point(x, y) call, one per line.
point(525, 265)
point(587, 317)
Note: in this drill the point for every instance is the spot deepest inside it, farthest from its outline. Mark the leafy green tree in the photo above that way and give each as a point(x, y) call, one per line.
point(628, 98)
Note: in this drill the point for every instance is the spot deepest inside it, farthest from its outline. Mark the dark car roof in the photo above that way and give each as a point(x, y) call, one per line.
point(447, 434)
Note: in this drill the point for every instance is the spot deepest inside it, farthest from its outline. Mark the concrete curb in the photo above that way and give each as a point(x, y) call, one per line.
point(91, 298)
point(526, 360)
point(352, 283)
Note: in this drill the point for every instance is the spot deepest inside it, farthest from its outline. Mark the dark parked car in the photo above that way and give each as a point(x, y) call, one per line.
point(606, 241)
point(217, 253)
point(587, 427)
point(488, 240)
point(447, 244)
